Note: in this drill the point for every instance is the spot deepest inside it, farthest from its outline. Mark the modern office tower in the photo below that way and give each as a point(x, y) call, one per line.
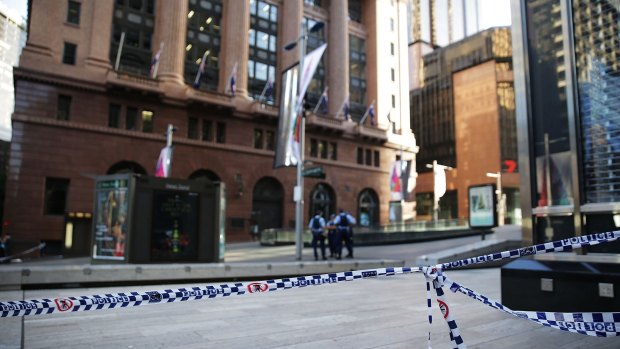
point(567, 85)
point(12, 40)
point(100, 81)
point(463, 117)
point(437, 23)
point(568, 81)
point(442, 22)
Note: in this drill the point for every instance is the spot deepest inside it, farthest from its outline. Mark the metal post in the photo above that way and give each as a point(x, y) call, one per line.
point(435, 198)
point(500, 197)
point(299, 196)
point(500, 200)
point(169, 133)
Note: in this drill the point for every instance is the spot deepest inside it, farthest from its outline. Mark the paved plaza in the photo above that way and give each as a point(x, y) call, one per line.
point(386, 312)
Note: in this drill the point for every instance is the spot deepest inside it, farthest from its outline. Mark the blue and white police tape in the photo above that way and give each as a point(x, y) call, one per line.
point(593, 324)
point(547, 247)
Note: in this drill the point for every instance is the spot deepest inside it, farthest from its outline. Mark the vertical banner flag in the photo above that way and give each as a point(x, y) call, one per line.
point(163, 163)
point(289, 127)
point(311, 62)
point(233, 80)
point(286, 112)
point(155, 61)
point(396, 185)
point(201, 70)
point(440, 181)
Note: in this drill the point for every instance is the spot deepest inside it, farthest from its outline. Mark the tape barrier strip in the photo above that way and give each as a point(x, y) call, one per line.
point(583, 323)
point(554, 246)
point(431, 275)
point(134, 299)
point(591, 324)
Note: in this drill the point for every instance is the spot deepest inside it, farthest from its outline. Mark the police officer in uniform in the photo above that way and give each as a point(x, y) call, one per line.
point(343, 223)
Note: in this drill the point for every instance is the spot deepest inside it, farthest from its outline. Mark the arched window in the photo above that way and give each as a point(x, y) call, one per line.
point(368, 208)
point(126, 167)
point(205, 174)
point(267, 203)
point(322, 198)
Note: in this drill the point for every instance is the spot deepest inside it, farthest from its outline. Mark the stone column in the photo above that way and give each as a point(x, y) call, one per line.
point(338, 49)
point(101, 26)
point(171, 29)
point(292, 16)
point(235, 29)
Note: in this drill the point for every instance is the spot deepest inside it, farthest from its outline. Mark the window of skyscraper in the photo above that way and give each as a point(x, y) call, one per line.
point(114, 115)
point(73, 12)
point(357, 77)
point(333, 151)
point(131, 118)
point(258, 138)
point(355, 10)
point(68, 56)
point(597, 59)
point(134, 18)
point(207, 130)
point(220, 133)
point(192, 128)
point(269, 140)
point(56, 190)
point(203, 41)
point(315, 3)
point(314, 148)
point(147, 121)
point(263, 38)
point(64, 107)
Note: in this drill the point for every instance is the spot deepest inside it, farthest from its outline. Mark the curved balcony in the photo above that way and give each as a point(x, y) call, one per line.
point(372, 134)
point(324, 123)
point(132, 81)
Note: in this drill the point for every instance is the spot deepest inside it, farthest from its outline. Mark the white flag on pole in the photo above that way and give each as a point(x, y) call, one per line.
point(440, 181)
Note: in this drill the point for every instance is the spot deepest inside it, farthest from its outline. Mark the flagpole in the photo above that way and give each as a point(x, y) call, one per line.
point(299, 204)
point(342, 105)
point(198, 74)
point(366, 113)
point(120, 50)
point(262, 94)
point(316, 107)
point(158, 56)
point(169, 132)
point(232, 72)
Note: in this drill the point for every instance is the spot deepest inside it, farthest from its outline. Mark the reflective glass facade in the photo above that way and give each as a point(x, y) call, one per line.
point(567, 117)
point(203, 43)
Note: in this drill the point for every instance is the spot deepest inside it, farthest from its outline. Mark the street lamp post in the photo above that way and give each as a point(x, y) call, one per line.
point(298, 192)
point(500, 197)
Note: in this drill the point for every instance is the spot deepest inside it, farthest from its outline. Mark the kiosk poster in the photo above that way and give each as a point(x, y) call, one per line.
point(111, 207)
point(175, 226)
point(482, 205)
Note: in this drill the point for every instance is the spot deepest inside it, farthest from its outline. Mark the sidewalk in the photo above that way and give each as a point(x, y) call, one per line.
point(387, 312)
point(242, 261)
